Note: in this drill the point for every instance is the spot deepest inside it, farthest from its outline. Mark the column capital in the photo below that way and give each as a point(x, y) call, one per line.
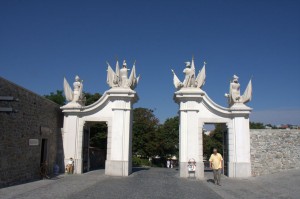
point(125, 94)
point(240, 109)
point(188, 94)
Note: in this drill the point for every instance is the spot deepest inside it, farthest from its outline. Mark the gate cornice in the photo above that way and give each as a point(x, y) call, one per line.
point(199, 96)
point(112, 94)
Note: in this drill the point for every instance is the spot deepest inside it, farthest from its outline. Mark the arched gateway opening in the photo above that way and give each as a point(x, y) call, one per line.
point(196, 109)
point(114, 109)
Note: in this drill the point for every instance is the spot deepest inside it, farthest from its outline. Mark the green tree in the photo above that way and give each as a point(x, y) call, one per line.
point(167, 137)
point(91, 98)
point(98, 132)
point(60, 99)
point(214, 140)
point(208, 144)
point(271, 126)
point(57, 97)
point(145, 125)
point(256, 125)
point(98, 135)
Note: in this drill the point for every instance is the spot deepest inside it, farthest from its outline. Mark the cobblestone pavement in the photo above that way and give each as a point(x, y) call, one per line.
point(156, 183)
point(152, 183)
point(284, 184)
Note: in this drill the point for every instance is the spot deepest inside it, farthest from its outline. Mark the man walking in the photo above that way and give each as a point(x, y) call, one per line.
point(216, 165)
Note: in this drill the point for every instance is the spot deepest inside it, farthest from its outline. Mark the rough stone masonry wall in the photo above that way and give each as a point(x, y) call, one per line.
point(35, 118)
point(274, 150)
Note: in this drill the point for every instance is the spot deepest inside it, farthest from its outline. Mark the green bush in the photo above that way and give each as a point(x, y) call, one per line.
point(138, 162)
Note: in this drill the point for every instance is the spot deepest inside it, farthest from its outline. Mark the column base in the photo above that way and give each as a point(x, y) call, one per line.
point(184, 173)
point(117, 168)
point(239, 169)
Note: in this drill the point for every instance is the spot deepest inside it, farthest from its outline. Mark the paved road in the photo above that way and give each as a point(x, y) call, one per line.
point(152, 183)
point(284, 184)
point(156, 183)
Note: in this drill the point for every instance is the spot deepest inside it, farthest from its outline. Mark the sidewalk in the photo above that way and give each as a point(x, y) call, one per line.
point(285, 184)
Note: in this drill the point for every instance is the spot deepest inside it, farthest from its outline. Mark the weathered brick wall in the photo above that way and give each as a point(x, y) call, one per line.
point(36, 118)
point(274, 150)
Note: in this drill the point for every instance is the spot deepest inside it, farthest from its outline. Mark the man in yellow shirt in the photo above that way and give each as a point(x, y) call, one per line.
point(216, 162)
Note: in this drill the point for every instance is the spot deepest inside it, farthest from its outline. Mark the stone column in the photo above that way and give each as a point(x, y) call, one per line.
point(119, 158)
point(239, 142)
point(190, 135)
point(73, 140)
point(231, 149)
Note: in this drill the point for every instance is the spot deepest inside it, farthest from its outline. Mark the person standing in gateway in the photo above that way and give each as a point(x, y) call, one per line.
point(216, 162)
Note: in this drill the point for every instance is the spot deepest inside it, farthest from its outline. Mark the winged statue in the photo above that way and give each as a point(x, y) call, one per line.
point(234, 95)
point(190, 80)
point(77, 95)
point(119, 77)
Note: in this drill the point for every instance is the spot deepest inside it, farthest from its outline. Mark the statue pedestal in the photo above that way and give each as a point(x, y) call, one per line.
point(239, 164)
point(119, 150)
point(190, 139)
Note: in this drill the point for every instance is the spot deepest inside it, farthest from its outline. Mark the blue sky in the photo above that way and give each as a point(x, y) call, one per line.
point(41, 42)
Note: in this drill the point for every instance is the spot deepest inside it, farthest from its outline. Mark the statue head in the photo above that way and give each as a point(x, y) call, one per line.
point(187, 64)
point(235, 79)
point(77, 79)
point(124, 64)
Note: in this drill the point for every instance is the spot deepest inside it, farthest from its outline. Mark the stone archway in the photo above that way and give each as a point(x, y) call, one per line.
point(196, 109)
point(114, 108)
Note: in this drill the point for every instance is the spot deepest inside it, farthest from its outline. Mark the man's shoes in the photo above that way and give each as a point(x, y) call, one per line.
point(219, 184)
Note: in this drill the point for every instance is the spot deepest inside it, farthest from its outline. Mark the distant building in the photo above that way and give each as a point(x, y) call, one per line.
point(288, 126)
point(294, 127)
point(30, 134)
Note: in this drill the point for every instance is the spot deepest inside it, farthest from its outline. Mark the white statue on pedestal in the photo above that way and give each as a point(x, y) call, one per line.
point(190, 80)
point(234, 95)
point(120, 77)
point(189, 72)
point(75, 97)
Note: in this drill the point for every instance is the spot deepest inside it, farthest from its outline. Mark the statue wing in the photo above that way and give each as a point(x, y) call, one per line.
point(81, 90)
point(200, 80)
point(177, 83)
point(136, 81)
point(193, 66)
point(132, 78)
point(117, 69)
point(247, 96)
point(111, 76)
point(68, 90)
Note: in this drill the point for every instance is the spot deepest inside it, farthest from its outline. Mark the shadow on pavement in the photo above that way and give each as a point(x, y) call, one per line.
point(137, 169)
point(57, 177)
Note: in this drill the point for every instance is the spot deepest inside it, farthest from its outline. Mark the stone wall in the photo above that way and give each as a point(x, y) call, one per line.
point(274, 150)
point(33, 117)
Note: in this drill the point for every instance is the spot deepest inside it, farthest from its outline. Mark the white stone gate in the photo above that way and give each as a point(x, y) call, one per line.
point(197, 109)
point(114, 108)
